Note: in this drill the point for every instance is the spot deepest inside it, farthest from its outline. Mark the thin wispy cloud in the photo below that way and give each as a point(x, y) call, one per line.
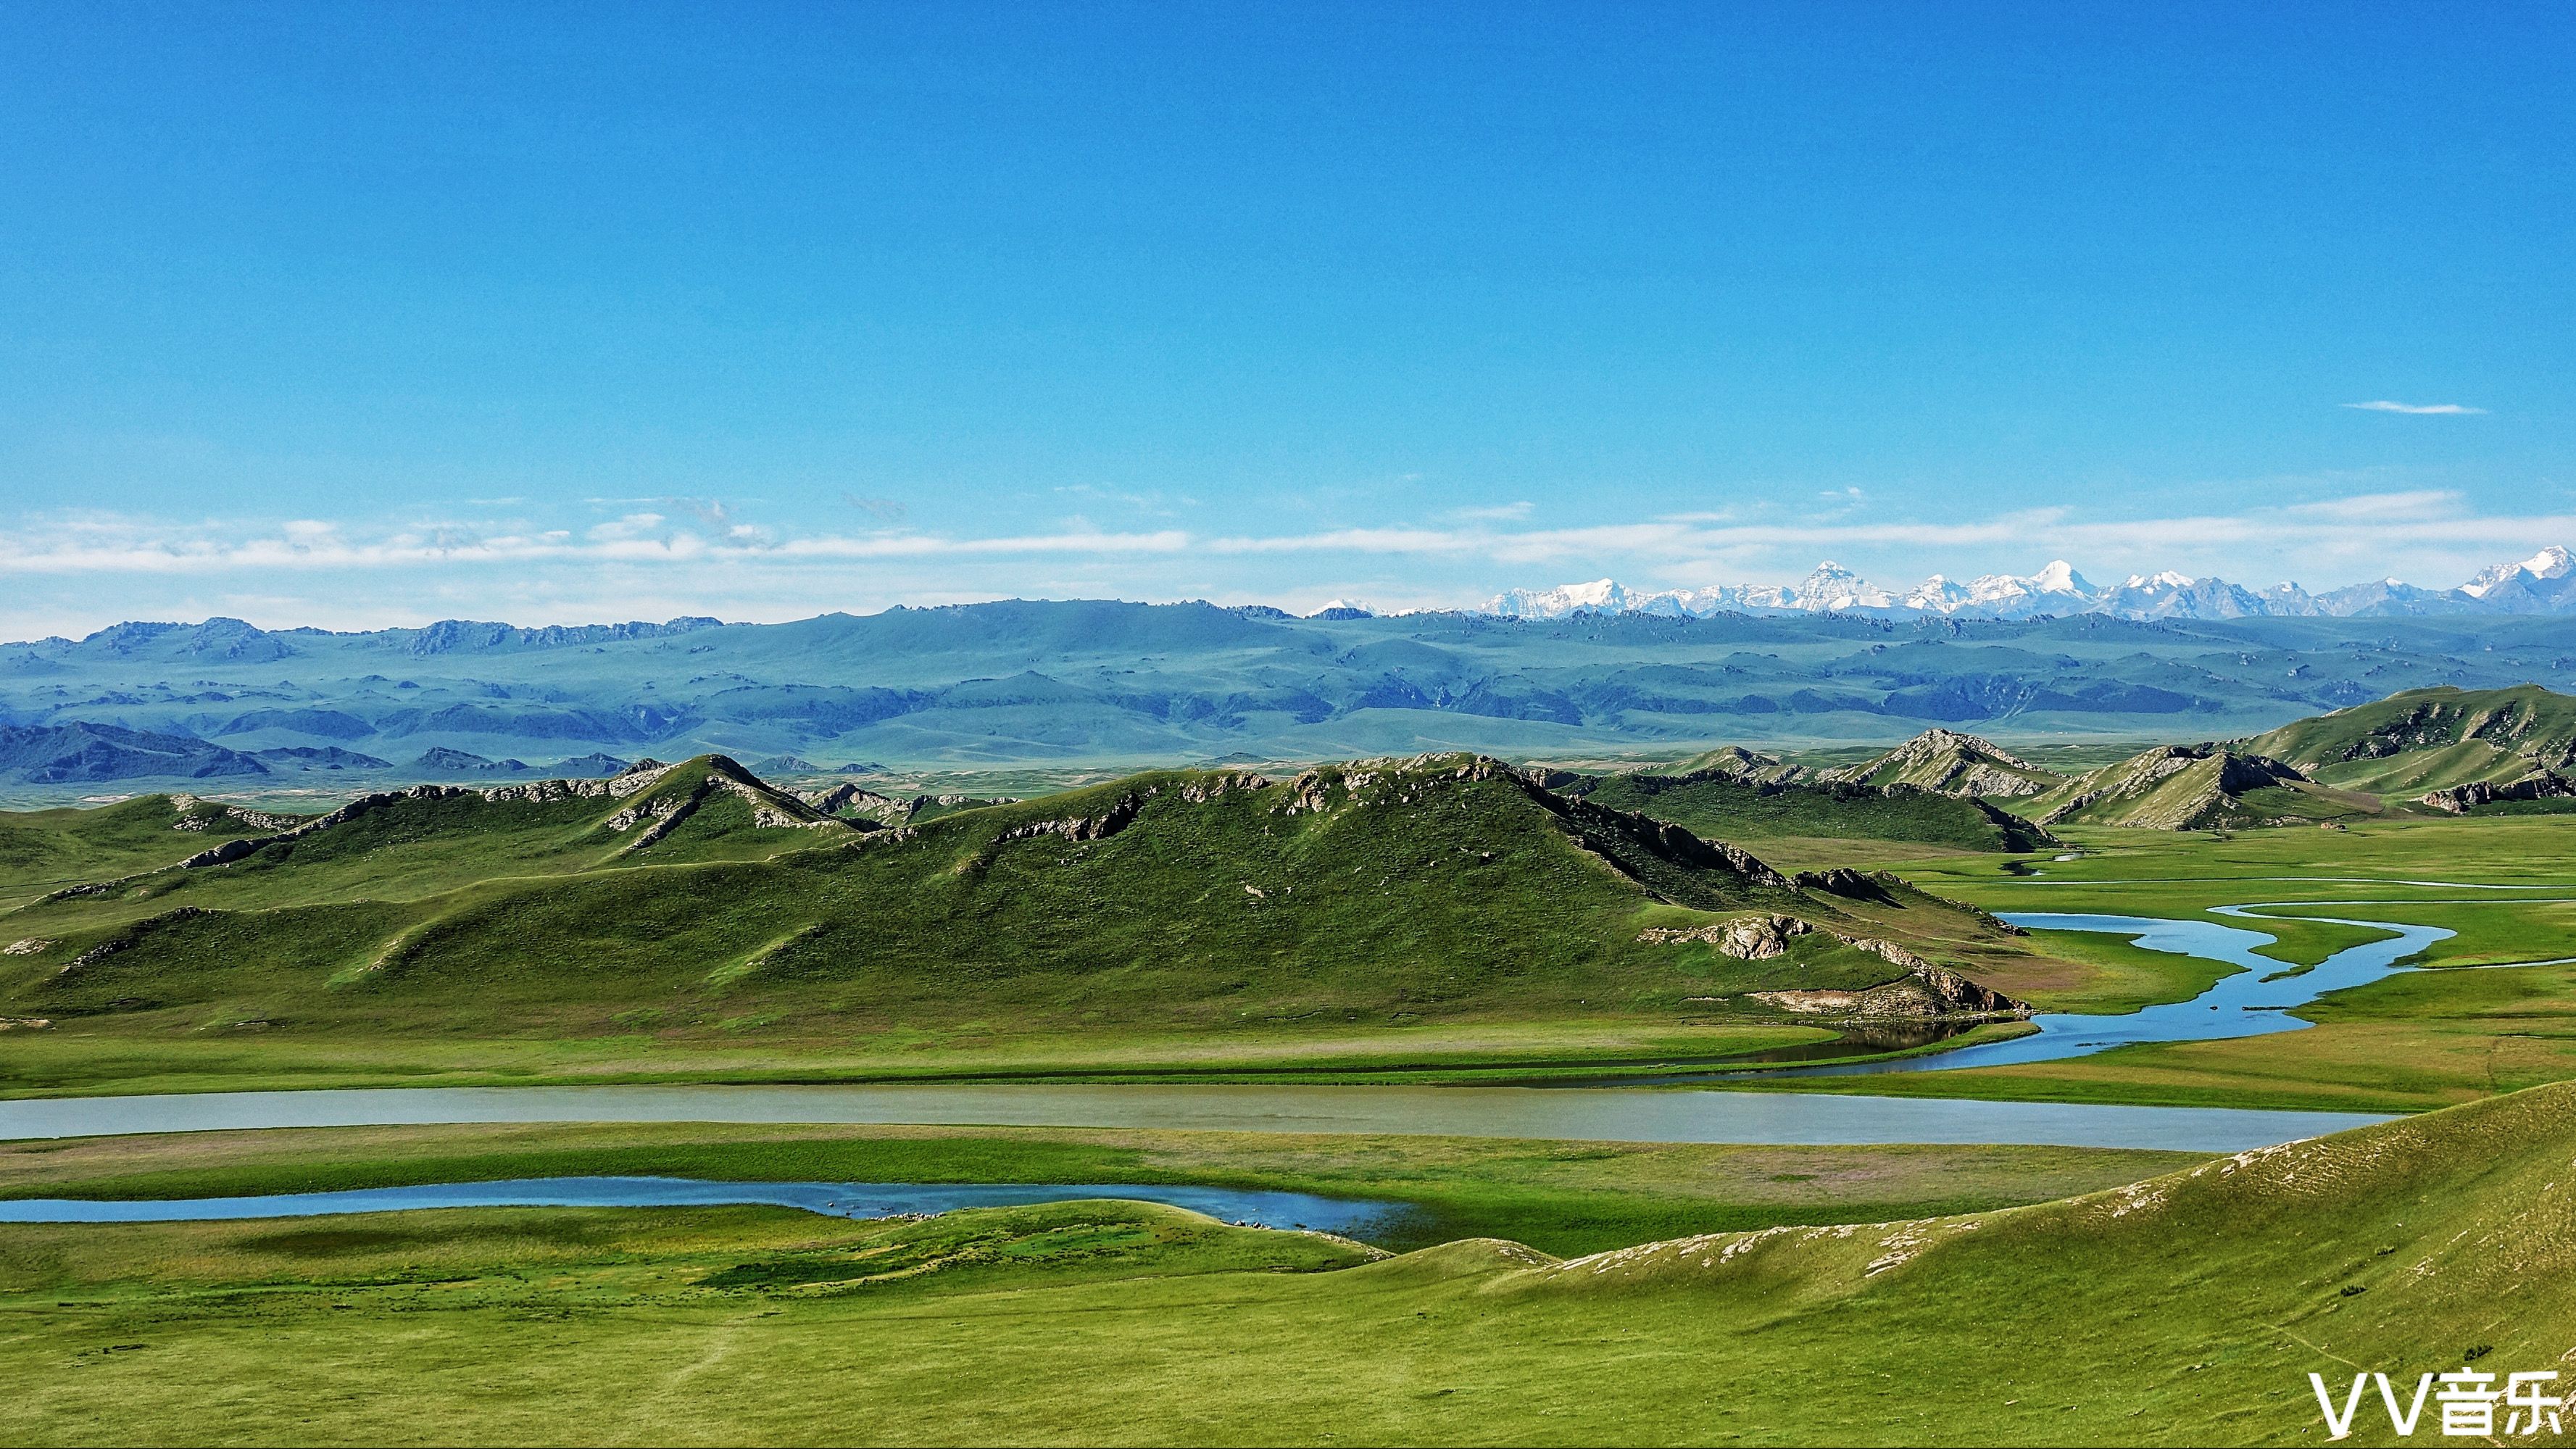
point(1498, 513)
point(101, 567)
point(2383, 405)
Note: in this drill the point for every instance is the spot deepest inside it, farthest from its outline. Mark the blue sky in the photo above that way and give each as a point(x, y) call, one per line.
point(362, 315)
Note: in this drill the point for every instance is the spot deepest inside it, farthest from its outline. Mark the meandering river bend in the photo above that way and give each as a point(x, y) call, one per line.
point(2252, 1000)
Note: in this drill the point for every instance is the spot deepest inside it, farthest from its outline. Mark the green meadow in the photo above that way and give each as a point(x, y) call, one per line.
point(2186, 1307)
point(1424, 924)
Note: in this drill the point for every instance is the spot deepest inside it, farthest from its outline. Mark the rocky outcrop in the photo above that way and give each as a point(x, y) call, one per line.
point(30, 946)
point(196, 814)
point(1121, 813)
point(1947, 762)
point(856, 802)
point(1199, 792)
point(232, 850)
point(771, 808)
point(2219, 775)
point(2461, 799)
point(1390, 781)
point(1842, 880)
point(1926, 991)
point(1746, 938)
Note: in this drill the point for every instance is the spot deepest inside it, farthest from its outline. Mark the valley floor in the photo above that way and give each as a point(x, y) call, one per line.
point(1542, 1292)
point(2184, 1309)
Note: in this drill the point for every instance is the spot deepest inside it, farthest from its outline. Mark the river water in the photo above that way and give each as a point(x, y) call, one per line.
point(1559, 1113)
point(1350, 1217)
point(2252, 1000)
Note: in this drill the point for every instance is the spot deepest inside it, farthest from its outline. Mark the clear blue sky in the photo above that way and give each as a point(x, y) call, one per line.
point(365, 314)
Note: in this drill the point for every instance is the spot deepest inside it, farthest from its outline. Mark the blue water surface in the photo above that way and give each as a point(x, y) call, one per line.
point(1348, 1216)
point(2254, 1000)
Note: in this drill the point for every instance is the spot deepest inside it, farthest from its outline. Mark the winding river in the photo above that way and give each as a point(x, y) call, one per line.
point(2255, 998)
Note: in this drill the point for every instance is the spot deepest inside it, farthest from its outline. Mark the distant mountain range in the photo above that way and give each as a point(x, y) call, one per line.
point(1100, 684)
point(2544, 583)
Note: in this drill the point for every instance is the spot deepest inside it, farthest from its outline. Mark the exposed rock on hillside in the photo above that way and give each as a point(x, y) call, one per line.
point(1743, 766)
point(1946, 762)
point(2436, 740)
point(2186, 787)
point(1925, 991)
point(1741, 795)
point(1746, 938)
point(2461, 799)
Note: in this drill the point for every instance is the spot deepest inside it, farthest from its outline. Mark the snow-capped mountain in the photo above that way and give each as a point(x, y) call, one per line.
point(2545, 583)
point(2552, 562)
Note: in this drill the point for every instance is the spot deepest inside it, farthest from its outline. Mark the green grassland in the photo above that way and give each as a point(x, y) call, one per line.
point(1436, 920)
point(1357, 918)
point(2187, 1308)
point(1565, 1197)
point(2505, 884)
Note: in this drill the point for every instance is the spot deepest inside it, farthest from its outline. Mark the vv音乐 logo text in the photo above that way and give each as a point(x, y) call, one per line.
point(2466, 1403)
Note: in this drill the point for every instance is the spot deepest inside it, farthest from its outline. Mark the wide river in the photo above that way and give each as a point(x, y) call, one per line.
point(2254, 999)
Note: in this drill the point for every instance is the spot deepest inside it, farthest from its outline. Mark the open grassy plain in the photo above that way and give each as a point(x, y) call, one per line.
point(2184, 1309)
point(1432, 922)
point(1564, 1197)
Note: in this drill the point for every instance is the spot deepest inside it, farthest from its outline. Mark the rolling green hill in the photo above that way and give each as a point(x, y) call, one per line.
point(2193, 787)
point(696, 896)
point(2429, 740)
point(1723, 804)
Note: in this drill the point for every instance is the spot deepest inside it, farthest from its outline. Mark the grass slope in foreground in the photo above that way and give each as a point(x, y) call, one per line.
point(694, 906)
point(2187, 1308)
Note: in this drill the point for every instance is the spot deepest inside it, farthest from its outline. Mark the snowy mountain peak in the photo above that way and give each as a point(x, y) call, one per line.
point(2059, 577)
point(1556, 603)
point(1832, 588)
point(2544, 583)
point(2552, 562)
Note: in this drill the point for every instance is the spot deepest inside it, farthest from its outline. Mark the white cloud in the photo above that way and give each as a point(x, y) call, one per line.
point(2383, 405)
point(103, 567)
point(633, 525)
point(1498, 513)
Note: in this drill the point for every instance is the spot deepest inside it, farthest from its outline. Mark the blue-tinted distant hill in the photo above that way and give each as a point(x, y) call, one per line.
point(1115, 683)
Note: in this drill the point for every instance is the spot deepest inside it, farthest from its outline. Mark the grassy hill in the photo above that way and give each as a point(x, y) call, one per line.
point(1722, 803)
point(2195, 787)
point(2186, 1308)
point(2424, 740)
point(1945, 762)
point(696, 898)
